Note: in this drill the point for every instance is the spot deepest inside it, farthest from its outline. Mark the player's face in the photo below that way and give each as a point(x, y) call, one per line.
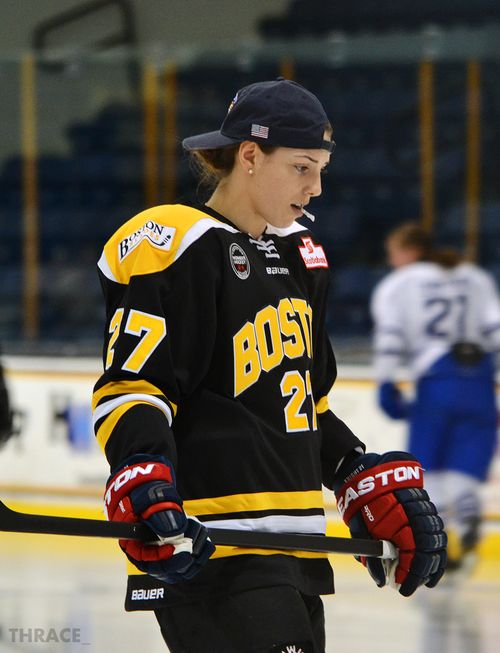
point(285, 181)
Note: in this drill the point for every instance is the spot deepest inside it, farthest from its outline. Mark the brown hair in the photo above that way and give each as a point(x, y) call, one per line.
point(447, 257)
point(212, 166)
point(413, 236)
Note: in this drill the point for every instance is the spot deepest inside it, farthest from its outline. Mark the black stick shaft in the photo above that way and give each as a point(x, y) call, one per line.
point(13, 521)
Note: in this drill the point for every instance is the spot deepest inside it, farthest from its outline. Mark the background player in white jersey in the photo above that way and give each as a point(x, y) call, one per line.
point(442, 317)
point(214, 398)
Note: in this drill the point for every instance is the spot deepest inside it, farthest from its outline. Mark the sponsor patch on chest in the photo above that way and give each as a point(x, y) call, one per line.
point(313, 255)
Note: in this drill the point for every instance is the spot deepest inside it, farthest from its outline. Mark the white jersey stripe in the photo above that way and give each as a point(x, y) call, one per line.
point(274, 524)
point(109, 406)
point(103, 265)
point(197, 230)
point(294, 228)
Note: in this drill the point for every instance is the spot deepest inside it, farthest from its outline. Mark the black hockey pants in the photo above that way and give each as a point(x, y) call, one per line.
point(264, 620)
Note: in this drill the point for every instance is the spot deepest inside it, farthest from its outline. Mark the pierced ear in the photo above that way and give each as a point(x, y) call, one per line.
point(246, 155)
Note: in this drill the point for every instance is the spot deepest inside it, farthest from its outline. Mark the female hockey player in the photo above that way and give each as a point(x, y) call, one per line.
point(213, 410)
point(443, 315)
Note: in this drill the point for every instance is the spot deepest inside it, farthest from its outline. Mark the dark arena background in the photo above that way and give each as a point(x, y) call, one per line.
point(96, 96)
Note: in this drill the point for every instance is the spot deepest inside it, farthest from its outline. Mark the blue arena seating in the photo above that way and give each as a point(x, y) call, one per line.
point(372, 185)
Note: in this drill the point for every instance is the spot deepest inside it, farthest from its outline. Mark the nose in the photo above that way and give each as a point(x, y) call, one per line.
point(314, 188)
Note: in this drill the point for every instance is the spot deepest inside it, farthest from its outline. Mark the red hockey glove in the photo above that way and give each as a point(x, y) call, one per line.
point(382, 497)
point(143, 489)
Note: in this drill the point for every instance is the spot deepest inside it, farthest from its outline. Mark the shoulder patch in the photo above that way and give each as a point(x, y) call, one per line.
point(153, 239)
point(159, 236)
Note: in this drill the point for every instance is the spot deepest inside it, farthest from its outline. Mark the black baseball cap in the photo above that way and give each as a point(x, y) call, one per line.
point(279, 112)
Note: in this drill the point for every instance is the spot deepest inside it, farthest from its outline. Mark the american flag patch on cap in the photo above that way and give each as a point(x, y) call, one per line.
point(260, 131)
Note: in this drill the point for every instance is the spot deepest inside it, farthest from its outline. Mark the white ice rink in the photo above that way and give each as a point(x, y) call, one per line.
point(73, 588)
point(50, 584)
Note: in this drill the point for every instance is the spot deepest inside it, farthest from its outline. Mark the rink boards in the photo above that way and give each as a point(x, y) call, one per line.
point(56, 454)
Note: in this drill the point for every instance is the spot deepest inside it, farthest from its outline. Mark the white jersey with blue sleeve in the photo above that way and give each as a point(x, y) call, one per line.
point(422, 309)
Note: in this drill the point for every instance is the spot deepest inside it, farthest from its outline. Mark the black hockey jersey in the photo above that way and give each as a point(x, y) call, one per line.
point(216, 356)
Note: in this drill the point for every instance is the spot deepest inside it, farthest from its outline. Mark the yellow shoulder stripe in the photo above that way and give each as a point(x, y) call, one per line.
point(153, 239)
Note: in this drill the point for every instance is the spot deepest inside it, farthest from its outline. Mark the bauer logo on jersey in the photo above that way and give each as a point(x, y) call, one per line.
point(312, 255)
point(239, 261)
point(158, 235)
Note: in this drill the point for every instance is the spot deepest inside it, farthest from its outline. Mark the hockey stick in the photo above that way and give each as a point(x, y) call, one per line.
point(20, 522)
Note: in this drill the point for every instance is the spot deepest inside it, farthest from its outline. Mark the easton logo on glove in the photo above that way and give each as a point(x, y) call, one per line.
point(352, 495)
point(143, 489)
point(381, 496)
point(132, 477)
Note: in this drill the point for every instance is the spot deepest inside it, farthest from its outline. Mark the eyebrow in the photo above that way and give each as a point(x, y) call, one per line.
point(308, 157)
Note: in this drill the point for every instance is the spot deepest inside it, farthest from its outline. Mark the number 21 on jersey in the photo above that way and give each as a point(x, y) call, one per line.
point(446, 316)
